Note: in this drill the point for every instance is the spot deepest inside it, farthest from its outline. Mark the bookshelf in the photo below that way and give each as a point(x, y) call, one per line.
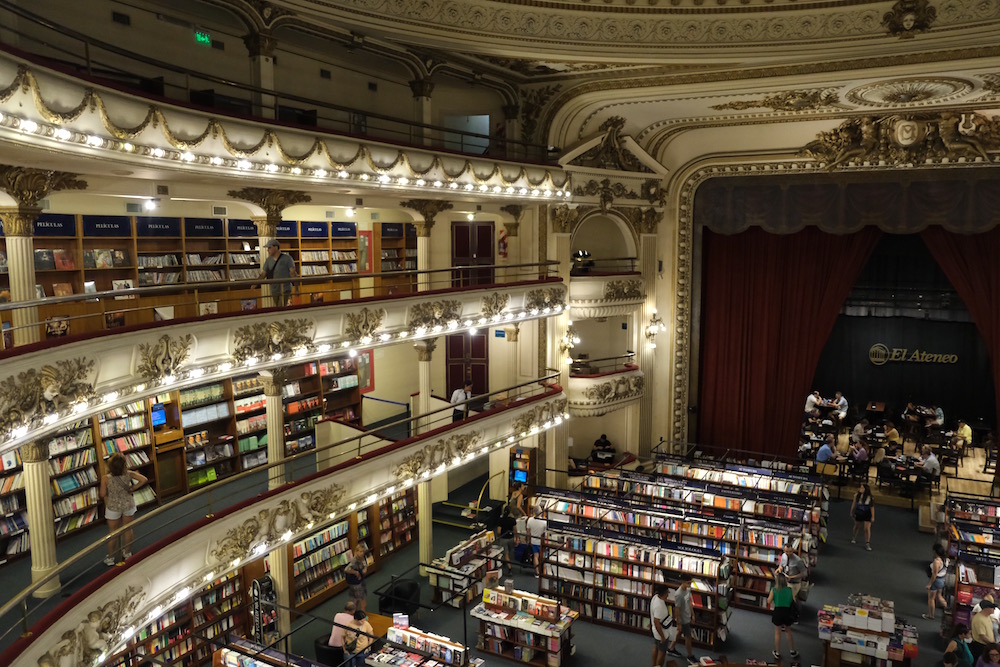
point(339, 385)
point(608, 577)
point(523, 468)
point(406, 646)
point(314, 256)
point(974, 543)
point(205, 250)
point(75, 478)
point(319, 562)
point(250, 408)
point(344, 256)
point(303, 407)
point(463, 569)
point(397, 521)
point(14, 521)
point(209, 444)
point(525, 628)
point(394, 255)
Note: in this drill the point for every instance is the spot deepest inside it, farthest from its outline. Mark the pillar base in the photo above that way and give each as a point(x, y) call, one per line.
point(50, 588)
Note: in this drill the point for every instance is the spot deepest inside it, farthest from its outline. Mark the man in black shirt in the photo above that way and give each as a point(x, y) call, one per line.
point(603, 451)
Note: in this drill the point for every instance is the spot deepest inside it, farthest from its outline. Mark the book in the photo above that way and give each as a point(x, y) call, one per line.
point(64, 259)
point(89, 259)
point(114, 320)
point(119, 258)
point(62, 289)
point(121, 284)
point(248, 304)
point(39, 292)
point(208, 308)
point(316, 297)
point(56, 327)
point(5, 296)
point(3, 261)
point(45, 260)
point(103, 258)
point(8, 336)
point(163, 313)
point(90, 287)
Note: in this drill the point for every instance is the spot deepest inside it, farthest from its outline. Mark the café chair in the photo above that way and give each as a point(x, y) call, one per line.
point(328, 655)
point(859, 471)
point(948, 458)
point(885, 473)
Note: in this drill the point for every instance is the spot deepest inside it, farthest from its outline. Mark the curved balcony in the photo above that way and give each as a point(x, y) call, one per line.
point(325, 484)
point(51, 384)
point(605, 288)
point(599, 386)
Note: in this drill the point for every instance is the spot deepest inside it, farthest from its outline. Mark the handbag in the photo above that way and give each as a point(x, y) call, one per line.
point(351, 645)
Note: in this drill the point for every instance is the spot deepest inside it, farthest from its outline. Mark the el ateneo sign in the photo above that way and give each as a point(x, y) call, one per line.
point(880, 355)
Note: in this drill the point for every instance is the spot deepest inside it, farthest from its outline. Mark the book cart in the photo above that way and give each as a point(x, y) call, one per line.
point(524, 627)
point(459, 575)
point(764, 518)
point(867, 628)
point(608, 577)
point(974, 545)
point(406, 646)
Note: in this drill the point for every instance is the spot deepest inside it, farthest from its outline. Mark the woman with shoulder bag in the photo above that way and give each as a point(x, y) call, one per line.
point(357, 639)
point(863, 513)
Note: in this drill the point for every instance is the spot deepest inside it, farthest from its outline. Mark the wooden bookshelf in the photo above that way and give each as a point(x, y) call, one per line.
point(391, 247)
point(523, 468)
point(397, 521)
point(463, 568)
point(525, 628)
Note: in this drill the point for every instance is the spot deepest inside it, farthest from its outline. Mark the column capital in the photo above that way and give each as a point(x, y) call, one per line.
point(260, 44)
point(18, 220)
point(35, 452)
point(425, 349)
point(265, 227)
point(428, 209)
point(273, 381)
point(515, 211)
point(422, 87)
point(563, 218)
point(27, 185)
point(272, 201)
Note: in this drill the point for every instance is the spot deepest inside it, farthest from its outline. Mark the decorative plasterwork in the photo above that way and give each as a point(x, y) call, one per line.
point(910, 139)
point(494, 304)
point(593, 297)
point(606, 191)
point(909, 92)
point(589, 397)
point(263, 340)
point(515, 211)
point(435, 313)
point(790, 100)
point(442, 452)
point(611, 153)
point(538, 416)
point(532, 103)
point(96, 632)
point(273, 521)
point(33, 394)
point(363, 325)
point(642, 220)
point(27, 186)
point(35, 452)
point(546, 297)
point(425, 349)
point(428, 210)
point(272, 201)
point(165, 357)
point(623, 290)
point(909, 17)
point(564, 218)
point(260, 44)
point(19, 221)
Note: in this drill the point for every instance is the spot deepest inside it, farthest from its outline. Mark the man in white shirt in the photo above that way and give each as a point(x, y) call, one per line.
point(659, 616)
point(812, 400)
point(535, 527)
point(460, 396)
point(841, 404)
point(930, 466)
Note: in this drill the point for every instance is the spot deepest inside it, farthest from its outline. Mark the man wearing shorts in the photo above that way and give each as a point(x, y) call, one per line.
point(535, 528)
point(659, 616)
point(683, 608)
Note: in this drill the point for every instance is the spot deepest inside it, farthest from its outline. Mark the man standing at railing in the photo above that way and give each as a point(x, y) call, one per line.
point(278, 265)
point(458, 397)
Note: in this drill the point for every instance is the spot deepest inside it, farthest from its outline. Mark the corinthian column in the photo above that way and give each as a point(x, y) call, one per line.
point(425, 350)
point(274, 380)
point(41, 524)
point(428, 209)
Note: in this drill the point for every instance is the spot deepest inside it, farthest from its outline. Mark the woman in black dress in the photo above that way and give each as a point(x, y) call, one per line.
point(863, 512)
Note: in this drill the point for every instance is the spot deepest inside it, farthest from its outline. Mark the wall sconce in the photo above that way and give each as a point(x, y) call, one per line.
point(570, 339)
point(654, 327)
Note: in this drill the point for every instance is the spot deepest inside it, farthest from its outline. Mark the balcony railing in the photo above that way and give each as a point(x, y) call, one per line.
point(603, 366)
point(609, 266)
point(101, 62)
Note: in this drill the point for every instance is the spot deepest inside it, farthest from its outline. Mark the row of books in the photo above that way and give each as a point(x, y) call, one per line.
point(124, 443)
point(204, 414)
point(251, 443)
point(76, 480)
point(76, 521)
point(78, 458)
point(321, 538)
point(250, 403)
point(76, 502)
point(122, 425)
point(867, 625)
point(204, 394)
point(255, 423)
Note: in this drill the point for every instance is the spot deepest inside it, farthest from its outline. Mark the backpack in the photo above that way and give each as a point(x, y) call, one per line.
point(350, 641)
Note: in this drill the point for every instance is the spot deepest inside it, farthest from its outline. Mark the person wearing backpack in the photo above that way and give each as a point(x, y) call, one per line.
point(357, 638)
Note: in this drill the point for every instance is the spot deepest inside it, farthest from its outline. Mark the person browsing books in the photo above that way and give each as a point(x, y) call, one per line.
point(278, 265)
point(683, 613)
point(792, 567)
point(340, 620)
point(535, 528)
point(660, 620)
point(458, 398)
point(781, 599)
point(119, 505)
point(357, 638)
point(355, 574)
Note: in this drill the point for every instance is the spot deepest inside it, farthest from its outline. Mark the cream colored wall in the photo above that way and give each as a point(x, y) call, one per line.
point(603, 339)
point(585, 430)
point(395, 380)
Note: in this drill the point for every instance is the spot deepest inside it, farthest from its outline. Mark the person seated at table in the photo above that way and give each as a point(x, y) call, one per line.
point(957, 445)
point(824, 453)
point(938, 416)
point(841, 406)
point(603, 450)
point(859, 451)
point(964, 431)
point(859, 431)
point(813, 419)
point(892, 435)
point(879, 456)
point(812, 400)
point(928, 463)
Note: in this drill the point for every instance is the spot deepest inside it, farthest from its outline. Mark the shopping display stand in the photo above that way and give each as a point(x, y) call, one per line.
point(459, 575)
point(524, 627)
point(866, 631)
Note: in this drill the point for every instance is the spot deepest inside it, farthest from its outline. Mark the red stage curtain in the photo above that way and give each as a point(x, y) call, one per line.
point(970, 263)
point(769, 305)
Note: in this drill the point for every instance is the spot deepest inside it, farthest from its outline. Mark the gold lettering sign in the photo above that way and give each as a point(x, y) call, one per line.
point(880, 354)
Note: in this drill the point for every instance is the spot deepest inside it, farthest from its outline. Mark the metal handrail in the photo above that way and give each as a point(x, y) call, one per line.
point(89, 41)
point(547, 381)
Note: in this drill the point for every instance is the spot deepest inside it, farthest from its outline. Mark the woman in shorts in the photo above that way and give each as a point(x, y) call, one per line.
point(938, 571)
point(355, 574)
point(782, 614)
point(119, 505)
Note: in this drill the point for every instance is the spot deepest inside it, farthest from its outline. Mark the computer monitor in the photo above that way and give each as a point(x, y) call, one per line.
point(521, 476)
point(158, 417)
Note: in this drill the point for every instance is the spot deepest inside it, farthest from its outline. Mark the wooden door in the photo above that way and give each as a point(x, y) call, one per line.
point(467, 357)
point(472, 245)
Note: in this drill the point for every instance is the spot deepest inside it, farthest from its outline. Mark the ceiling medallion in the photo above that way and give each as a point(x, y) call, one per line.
point(909, 92)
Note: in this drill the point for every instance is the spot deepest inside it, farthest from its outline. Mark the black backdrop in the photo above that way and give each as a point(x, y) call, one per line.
point(963, 389)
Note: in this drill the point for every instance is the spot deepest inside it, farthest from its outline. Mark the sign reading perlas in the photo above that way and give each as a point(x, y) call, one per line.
point(880, 355)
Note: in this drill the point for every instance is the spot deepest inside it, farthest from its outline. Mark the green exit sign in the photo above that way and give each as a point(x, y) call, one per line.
point(202, 37)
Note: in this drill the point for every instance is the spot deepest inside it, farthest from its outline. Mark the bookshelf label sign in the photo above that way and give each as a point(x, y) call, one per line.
point(55, 225)
point(392, 230)
point(285, 229)
point(158, 226)
point(344, 230)
point(98, 225)
point(203, 227)
point(242, 228)
point(315, 230)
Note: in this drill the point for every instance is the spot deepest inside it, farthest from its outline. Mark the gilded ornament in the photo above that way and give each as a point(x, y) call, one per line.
point(435, 313)
point(35, 452)
point(622, 290)
point(511, 228)
point(545, 297)
point(272, 201)
point(102, 629)
point(606, 191)
point(532, 103)
point(164, 357)
point(564, 219)
point(265, 339)
point(428, 210)
point(28, 185)
point(538, 416)
point(269, 12)
point(494, 304)
point(515, 211)
point(425, 349)
point(271, 522)
point(33, 393)
point(260, 44)
point(433, 455)
point(908, 17)
point(364, 324)
point(19, 221)
point(627, 386)
point(790, 100)
point(612, 152)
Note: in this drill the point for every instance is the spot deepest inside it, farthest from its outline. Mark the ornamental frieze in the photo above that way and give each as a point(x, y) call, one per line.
point(266, 339)
point(623, 290)
point(96, 632)
point(435, 313)
point(907, 139)
point(626, 386)
point(538, 416)
point(909, 17)
point(272, 201)
point(164, 357)
point(35, 393)
point(494, 304)
point(564, 218)
point(27, 186)
point(436, 454)
point(611, 152)
point(271, 523)
point(606, 191)
point(546, 297)
point(364, 324)
point(790, 100)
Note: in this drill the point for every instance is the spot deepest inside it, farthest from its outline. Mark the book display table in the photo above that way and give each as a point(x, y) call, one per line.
point(410, 647)
point(865, 631)
point(459, 575)
point(524, 627)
